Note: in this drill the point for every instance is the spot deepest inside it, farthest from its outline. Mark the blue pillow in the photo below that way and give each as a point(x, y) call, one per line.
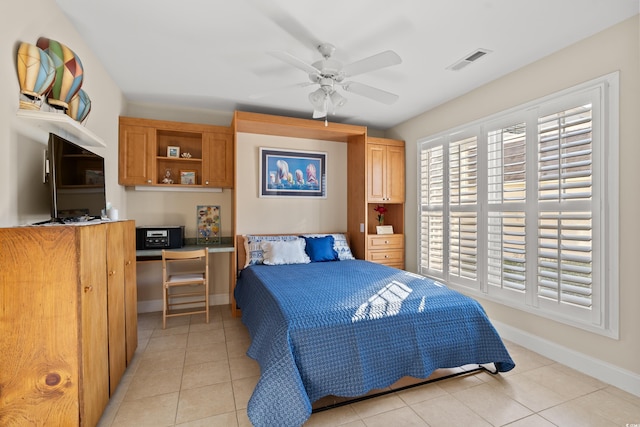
point(320, 249)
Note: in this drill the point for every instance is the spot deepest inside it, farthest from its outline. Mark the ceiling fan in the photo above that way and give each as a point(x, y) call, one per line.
point(330, 74)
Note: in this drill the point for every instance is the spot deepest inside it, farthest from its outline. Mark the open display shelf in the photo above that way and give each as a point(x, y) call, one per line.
point(61, 125)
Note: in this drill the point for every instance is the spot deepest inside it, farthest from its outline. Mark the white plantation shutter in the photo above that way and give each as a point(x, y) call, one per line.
point(432, 204)
point(506, 221)
point(463, 208)
point(565, 181)
point(522, 207)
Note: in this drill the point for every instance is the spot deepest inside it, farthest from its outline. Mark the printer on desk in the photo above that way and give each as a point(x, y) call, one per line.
point(159, 237)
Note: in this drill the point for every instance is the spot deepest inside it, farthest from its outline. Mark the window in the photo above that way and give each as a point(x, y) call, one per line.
point(521, 207)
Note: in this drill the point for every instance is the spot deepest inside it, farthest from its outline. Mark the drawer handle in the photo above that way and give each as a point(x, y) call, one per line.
point(88, 289)
point(386, 256)
point(386, 242)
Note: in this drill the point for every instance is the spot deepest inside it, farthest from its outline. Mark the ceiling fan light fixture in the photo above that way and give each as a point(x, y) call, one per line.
point(317, 99)
point(337, 100)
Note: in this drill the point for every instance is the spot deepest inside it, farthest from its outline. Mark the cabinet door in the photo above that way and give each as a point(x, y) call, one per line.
point(376, 172)
point(130, 290)
point(115, 303)
point(394, 174)
point(39, 377)
point(93, 325)
point(218, 160)
point(136, 151)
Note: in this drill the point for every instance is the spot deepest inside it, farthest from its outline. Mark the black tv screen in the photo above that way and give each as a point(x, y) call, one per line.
point(76, 178)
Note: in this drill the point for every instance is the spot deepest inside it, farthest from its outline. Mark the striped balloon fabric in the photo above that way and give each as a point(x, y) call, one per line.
point(69, 72)
point(79, 106)
point(36, 73)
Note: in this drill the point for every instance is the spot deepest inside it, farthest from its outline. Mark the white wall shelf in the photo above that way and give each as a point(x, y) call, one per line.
point(62, 125)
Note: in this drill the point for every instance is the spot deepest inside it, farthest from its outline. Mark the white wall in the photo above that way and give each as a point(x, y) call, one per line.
point(289, 215)
point(617, 48)
point(24, 199)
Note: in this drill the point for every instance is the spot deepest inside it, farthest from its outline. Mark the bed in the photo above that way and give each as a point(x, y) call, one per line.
point(343, 326)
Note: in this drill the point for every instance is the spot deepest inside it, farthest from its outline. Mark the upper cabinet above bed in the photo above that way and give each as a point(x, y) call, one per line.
point(385, 170)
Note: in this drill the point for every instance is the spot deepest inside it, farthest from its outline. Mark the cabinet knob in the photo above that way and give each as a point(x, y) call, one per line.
point(128, 263)
point(386, 242)
point(148, 181)
point(206, 182)
point(88, 289)
point(112, 273)
point(386, 256)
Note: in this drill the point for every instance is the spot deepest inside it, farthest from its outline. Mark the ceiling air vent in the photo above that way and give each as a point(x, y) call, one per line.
point(468, 59)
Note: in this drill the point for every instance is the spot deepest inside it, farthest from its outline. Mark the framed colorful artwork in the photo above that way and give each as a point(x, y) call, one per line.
point(292, 173)
point(208, 224)
point(188, 177)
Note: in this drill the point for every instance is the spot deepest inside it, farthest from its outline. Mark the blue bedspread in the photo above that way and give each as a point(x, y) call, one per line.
point(344, 328)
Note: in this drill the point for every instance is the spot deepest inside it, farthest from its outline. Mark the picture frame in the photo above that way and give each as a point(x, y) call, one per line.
point(384, 229)
point(208, 224)
point(173, 151)
point(188, 177)
point(292, 173)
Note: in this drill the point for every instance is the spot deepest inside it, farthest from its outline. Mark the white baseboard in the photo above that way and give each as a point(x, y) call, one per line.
point(151, 306)
point(603, 371)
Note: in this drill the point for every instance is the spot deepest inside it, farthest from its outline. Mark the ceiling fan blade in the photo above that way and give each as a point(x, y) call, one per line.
point(286, 22)
point(375, 62)
point(296, 62)
point(371, 92)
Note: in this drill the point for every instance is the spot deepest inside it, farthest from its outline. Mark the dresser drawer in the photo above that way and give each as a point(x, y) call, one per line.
point(391, 256)
point(386, 241)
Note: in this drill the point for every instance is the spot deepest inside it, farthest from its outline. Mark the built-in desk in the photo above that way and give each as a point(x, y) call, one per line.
point(156, 254)
point(226, 246)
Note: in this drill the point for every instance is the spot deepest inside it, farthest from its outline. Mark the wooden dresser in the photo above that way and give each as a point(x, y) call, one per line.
point(68, 321)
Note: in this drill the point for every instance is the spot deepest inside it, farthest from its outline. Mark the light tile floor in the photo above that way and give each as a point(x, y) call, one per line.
point(196, 374)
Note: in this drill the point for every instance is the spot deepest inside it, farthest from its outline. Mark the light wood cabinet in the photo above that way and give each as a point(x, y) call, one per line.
point(55, 300)
point(386, 249)
point(385, 170)
point(161, 153)
point(217, 159)
point(135, 155)
point(116, 304)
point(130, 290)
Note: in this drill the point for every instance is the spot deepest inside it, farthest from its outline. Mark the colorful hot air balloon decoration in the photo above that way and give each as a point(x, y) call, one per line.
point(79, 106)
point(69, 72)
point(36, 73)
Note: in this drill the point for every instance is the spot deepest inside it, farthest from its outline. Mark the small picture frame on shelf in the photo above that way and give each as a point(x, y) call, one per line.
point(173, 151)
point(384, 229)
point(188, 177)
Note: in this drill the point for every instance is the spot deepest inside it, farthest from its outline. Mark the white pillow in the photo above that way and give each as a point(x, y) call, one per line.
point(284, 252)
point(253, 250)
point(340, 245)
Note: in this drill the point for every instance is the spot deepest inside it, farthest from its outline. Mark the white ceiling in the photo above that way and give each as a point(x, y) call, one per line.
point(214, 54)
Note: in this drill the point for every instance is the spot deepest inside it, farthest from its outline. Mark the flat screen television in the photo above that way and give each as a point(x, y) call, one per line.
point(76, 179)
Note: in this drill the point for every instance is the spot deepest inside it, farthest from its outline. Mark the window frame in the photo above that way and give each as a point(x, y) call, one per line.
point(603, 318)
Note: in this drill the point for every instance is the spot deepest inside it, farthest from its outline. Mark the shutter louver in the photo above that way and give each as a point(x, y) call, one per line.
point(463, 205)
point(463, 247)
point(565, 241)
point(506, 236)
point(432, 205)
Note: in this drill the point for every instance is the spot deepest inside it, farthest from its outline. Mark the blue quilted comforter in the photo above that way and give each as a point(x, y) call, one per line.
point(344, 328)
